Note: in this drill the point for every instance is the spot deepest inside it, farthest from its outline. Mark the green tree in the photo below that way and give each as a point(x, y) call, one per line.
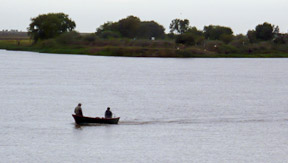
point(251, 34)
point(264, 31)
point(213, 32)
point(149, 29)
point(240, 41)
point(131, 27)
point(108, 30)
point(276, 30)
point(128, 27)
point(195, 31)
point(226, 38)
point(109, 26)
point(192, 36)
point(50, 25)
point(185, 38)
point(179, 26)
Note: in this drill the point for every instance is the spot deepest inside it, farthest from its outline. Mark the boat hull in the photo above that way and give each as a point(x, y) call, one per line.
point(85, 120)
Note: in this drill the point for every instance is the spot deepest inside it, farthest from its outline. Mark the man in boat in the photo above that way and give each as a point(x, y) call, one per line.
point(78, 110)
point(108, 113)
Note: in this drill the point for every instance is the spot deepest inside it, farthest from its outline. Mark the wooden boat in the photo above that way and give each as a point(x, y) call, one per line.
point(85, 120)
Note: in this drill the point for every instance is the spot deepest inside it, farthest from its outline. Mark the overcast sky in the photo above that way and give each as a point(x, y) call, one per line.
point(240, 15)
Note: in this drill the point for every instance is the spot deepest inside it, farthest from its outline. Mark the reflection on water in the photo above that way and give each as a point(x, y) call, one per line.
point(78, 126)
point(172, 110)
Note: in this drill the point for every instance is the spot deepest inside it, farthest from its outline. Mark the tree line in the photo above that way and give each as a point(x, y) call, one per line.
point(51, 25)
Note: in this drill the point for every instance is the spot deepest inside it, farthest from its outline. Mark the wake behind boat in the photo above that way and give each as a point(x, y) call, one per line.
point(84, 120)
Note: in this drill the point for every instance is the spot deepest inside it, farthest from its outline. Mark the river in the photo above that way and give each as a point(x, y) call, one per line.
point(172, 110)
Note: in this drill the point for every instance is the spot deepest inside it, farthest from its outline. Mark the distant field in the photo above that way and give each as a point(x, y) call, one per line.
point(13, 35)
point(20, 35)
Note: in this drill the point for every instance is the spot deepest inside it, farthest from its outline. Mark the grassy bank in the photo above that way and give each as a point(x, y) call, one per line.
point(130, 48)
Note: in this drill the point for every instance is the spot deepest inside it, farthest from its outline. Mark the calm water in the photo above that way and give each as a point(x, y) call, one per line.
point(172, 110)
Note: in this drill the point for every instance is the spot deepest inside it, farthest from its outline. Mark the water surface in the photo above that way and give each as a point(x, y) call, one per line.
point(172, 110)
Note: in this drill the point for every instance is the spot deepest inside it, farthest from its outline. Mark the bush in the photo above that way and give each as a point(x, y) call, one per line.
point(213, 46)
point(227, 49)
point(279, 40)
point(261, 47)
point(186, 39)
point(109, 35)
point(226, 38)
point(68, 37)
point(89, 38)
point(239, 43)
point(50, 43)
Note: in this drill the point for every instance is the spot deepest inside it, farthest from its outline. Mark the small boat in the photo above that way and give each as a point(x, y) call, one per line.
point(85, 120)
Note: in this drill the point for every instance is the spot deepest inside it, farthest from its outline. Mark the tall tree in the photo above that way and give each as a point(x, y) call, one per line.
point(217, 32)
point(149, 29)
point(264, 31)
point(128, 26)
point(191, 37)
point(251, 34)
point(179, 26)
point(276, 30)
point(195, 31)
point(131, 27)
point(108, 30)
point(50, 25)
point(109, 26)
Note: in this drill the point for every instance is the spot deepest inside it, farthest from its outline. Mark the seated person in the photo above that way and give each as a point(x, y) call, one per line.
point(108, 113)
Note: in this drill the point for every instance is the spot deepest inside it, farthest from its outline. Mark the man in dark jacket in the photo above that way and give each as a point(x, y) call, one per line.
point(108, 113)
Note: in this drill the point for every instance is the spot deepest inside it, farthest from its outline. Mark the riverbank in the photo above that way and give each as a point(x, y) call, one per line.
point(133, 48)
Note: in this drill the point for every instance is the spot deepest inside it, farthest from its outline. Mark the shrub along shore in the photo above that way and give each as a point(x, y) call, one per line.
point(74, 43)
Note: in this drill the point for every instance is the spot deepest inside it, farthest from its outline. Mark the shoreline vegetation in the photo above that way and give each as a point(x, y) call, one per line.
point(131, 37)
point(124, 48)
